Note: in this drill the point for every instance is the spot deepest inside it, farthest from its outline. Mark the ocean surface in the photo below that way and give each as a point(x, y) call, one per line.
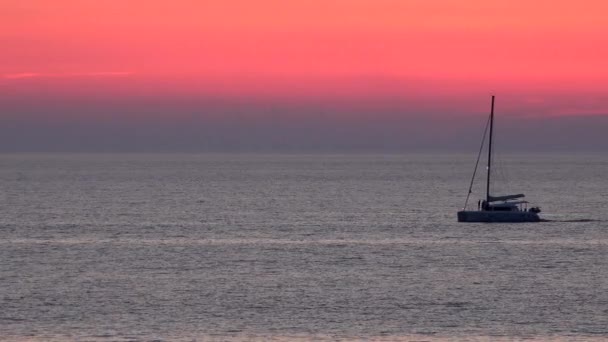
point(208, 247)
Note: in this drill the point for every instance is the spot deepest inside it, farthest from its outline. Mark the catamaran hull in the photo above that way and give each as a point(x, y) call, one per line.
point(497, 216)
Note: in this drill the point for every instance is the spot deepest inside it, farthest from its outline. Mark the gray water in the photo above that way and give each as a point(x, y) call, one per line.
point(301, 247)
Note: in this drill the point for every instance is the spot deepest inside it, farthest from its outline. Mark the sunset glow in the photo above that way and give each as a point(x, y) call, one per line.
point(542, 57)
point(294, 42)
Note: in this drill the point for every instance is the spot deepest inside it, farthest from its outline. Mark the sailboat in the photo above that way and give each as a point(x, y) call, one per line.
point(506, 208)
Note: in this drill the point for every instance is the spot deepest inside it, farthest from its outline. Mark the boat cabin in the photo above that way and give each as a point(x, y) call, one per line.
point(508, 206)
point(506, 203)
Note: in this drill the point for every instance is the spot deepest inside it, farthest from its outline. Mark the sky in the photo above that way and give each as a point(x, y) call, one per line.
point(301, 75)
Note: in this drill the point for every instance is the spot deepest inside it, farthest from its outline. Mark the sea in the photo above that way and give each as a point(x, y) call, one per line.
point(298, 247)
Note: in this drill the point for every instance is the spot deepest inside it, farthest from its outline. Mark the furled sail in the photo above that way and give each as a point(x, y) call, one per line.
point(505, 198)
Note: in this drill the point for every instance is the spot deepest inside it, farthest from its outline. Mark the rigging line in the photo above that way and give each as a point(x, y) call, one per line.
point(483, 139)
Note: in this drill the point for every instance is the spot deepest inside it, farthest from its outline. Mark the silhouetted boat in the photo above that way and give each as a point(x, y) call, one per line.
point(507, 208)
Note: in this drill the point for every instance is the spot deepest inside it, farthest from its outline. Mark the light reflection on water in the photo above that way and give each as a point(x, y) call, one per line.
point(319, 338)
point(185, 241)
point(273, 248)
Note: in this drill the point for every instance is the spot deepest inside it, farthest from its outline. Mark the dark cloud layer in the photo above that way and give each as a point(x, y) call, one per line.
point(267, 126)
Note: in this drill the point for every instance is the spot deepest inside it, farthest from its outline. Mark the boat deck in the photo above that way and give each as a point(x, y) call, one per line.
point(497, 216)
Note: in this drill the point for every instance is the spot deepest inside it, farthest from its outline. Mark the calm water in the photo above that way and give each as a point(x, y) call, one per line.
point(269, 247)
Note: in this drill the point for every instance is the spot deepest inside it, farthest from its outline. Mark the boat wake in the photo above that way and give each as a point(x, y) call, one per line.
point(573, 220)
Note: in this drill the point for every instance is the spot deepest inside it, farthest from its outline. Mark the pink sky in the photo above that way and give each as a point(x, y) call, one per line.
point(250, 43)
point(410, 58)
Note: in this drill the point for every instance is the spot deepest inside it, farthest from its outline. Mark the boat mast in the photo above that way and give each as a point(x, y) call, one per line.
point(490, 153)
